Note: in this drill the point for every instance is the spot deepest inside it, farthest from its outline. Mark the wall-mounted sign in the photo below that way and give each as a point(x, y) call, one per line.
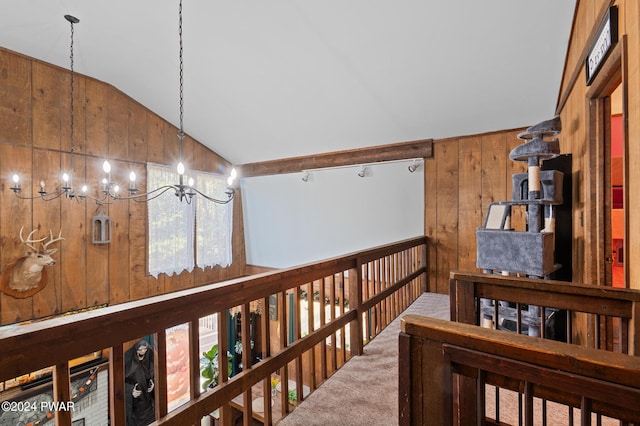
point(606, 38)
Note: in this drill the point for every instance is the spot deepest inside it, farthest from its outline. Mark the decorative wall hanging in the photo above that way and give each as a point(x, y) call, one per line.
point(23, 277)
point(101, 228)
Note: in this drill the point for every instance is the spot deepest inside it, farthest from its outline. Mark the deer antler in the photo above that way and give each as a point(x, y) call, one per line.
point(52, 240)
point(29, 241)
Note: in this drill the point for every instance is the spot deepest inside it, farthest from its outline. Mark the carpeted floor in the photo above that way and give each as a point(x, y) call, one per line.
point(365, 390)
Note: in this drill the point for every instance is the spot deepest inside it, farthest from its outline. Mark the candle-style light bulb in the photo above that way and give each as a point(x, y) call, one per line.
point(65, 177)
point(106, 167)
point(42, 191)
point(132, 180)
point(16, 186)
point(191, 182)
point(180, 168)
point(84, 189)
point(234, 174)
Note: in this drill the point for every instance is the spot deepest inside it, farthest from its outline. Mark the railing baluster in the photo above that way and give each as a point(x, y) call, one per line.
point(62, 393)
point(481, 397)
point(116, 386)
point(245, 328)
point(266, 396)
point(343, 332)
point(355, 300)
point(225, 411)
point(160, 363)
point(585, 412)
point(332, 316)
point(528, 408)
point(323, 321)
point(311, 316)
point(376, 290)
point(194, 358)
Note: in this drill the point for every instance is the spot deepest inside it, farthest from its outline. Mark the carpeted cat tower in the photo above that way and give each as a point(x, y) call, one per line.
point(530, 252)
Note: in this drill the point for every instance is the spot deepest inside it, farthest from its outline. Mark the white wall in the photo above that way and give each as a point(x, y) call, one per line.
point(288, 222)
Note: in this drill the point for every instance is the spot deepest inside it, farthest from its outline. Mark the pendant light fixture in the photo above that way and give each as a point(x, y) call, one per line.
point(111, 191)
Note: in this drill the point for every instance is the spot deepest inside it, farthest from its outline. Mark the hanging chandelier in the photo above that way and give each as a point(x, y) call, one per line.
point(111, 191)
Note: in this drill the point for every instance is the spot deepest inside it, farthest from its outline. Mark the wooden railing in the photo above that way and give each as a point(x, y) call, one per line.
point(612, 325)
point(436, 354)
point(603, 318)
point(311, 320)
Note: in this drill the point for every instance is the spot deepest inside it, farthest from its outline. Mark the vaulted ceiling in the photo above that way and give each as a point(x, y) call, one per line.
point(274, 79)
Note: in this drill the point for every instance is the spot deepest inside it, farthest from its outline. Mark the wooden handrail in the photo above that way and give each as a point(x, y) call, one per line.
point(397, 272)
point(467, 288)
point(435, 351)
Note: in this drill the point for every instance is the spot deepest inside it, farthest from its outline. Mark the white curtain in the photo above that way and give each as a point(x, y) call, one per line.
point(214, 222)
point(171, 226)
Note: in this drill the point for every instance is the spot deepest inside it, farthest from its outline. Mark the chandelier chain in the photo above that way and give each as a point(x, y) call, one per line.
point(181, 133)
point(72, 87)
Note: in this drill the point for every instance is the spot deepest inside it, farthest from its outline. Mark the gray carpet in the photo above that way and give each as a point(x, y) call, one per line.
point(365, 390)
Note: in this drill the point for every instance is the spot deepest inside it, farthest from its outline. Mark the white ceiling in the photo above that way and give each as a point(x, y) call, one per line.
point(275, 79)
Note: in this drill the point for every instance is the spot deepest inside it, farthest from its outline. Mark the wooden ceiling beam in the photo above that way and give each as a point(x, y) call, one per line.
point(375, 154)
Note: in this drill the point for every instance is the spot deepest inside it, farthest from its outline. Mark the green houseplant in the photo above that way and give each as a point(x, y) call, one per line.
point(209, 367)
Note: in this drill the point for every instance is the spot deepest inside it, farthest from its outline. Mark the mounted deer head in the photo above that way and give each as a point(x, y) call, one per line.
point(25, 273)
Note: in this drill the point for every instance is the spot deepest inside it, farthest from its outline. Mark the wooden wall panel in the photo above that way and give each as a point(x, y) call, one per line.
point(14, 214)
point(119, 289)
point(15, 92)
point(430, 219)
point(138, 130)
point(97, 277)
point(118, 126)
point(494, 170)
point(35, 141)
point(79, 116)
point(49, 84)
point(470, 201)
point(47, 220)
point(446, 155)
point(199, 157)
point(156, 285)
point(171, 148)
point(73, 255)
point(156, 135)
point(97, 118)
point(139, 280)
point(465, 175)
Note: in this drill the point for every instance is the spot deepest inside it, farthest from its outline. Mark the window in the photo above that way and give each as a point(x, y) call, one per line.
point(183, 235)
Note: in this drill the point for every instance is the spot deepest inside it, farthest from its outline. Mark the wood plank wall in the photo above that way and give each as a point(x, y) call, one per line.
point(575, 138)
point(463, 177)
point(35, 142)
point(467, 173)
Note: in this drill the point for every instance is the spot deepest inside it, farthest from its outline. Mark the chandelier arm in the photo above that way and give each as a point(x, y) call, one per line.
point(145, 196)
point(46, 196)
point(230, 194)
point(98, 200)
